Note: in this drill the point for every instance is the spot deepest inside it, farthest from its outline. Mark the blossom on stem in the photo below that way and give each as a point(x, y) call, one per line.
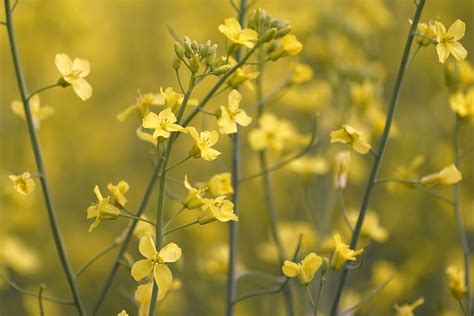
point(448, 175)
point(218, 209)
point(304, 270)
point(23, 183)
point(73, 73)
point(228, 117)
point(203, 144)
point(349, 135)
point(448, 41)
point(342, 253)
point(38, 112)
point(102, 210)
point(163, 124)
point(234, 32)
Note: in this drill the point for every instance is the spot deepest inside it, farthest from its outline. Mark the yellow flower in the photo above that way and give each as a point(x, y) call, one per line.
point(408, 309)
point(349, 135)
point(220, 184)
point(156, 262)
point(38, 112)
point(456, 282)
point(143, 295)
point(342, 164)
point(73, 73)
point(463, 103)
point(101, 210)
point(163, 124)
point(23, 183)
point(427, 29)
point(342, 253)
point(233, 31)
point(146, 136)
point(289, 46)
point(204, 141)
point(308, 166)
point(301, 73)
point(217, 209)
point(363, 94)
point(448, 175)
point(194, 197)
point(304, 270)
point(242, 75)
point(448, 41)
point(118, 192)
point(172, 99)
point(371, 227)
point(142, 106)
point(408, 171)
point(231, 115)
point(123, 313)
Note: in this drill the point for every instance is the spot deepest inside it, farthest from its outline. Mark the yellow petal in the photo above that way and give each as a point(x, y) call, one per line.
point(443, 52)
point(82, 88)
point(163, 278)
point(170, 253)
point(147, 247)
point(458, 51)
point(457, 30)
point(290, 269)
point(141, 269)
point(82, 66)
point(63, 63)
point(151, 120)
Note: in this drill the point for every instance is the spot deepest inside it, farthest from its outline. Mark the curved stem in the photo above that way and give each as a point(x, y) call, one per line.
point(138, 218)
point(173, 217)
point(42, 89)
point(35, 143)
point(177, 164)
point(40, 300)
point(180, 227)
point(310, 296)
point(380, 153)
point(94, 259)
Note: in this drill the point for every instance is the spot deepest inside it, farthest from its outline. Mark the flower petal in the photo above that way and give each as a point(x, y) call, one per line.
point(82, 88)
point(147, 247)
point(63, 63)
point(170, 253)
point(141, 269)
point(290, 269)
point(83, 66)
point(163, 278)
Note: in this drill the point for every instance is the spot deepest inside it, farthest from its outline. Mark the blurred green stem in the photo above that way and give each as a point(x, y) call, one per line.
point(380, 152)
point(40, 299)
point(95, 258)
point(42, 89)
point(180, 227)
point(459, 217)
point(35, 143)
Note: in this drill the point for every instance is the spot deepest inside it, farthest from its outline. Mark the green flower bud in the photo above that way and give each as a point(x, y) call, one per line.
point(178, 49)
point(221, 70)
point(63, 83)
point(176, 63)
point(195, 46)
point(282, 32)
point(194, 63)
point(269, 35)
point(188, 51)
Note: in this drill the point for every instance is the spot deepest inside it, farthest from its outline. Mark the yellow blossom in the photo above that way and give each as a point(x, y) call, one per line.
point(194, 197)
point(427, 29)
point(220, 184)
point(456, 282)
point(147, 137)
point(123, 313)
point(156, 262)
point(23, 183)
point(73, 73)
point(38, 112)
point(448, 41)
point(101, 210)
point(203, 146)
point(163, 124)
point(229, 116)
point(118, 192)
point(141, 106)
point(371, 227)
point(143, 295)
point(304, 270)
point(172, 99)
point(218, 209)
point(448, 175)
point(363, 94)
point(301, 73)
point(308, 166)
point(463, 103)
point(349, 135)
point(242, 75)
point(234, 32)
point(289, 46)
point(408, 309)
point(342, 253)
point(342, 162)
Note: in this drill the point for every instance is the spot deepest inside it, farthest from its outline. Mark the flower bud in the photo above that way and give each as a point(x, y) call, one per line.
point(195, 46)
point(188, 51)
point(176, 63)
point(194, 63)
point(178, 49)
point(221, 70)
point(269, 35)
point(282, 32)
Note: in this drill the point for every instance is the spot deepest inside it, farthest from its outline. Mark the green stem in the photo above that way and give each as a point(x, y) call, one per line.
point(42, 89)
point(40, 299)
point(178, 163)
point(180, 227)
point(35, 143)
point(310, 296)
point(173, 217)
point(404, 181)
point(137, 218)
point(344, 209)
point(94, 259)
point(318, 297)
point(459, 218)
point(380, 153)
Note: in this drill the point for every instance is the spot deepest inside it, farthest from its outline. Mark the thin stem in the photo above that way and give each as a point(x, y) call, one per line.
point(42, 89)
point(178, 163)
point(35, 143)
point(138, 218)
point(381, 150)
point(180, 227)
point(40, 299)
point(405, 181)
point(173, 217)
point(94, 259)
point(179, 80)
point(344, 209)
point(310, 296)
point(459, 217)
point(29, 293)
point(128, 235)
point(261, 275)
point(318, 297)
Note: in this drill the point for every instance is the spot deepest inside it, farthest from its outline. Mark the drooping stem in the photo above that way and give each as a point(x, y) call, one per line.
point(42, 89)
point(180, 227)
point(40, 299)
point(233, 225)
point(95, 258)
point(380, 152)
point(35, 143)
point(459, 218)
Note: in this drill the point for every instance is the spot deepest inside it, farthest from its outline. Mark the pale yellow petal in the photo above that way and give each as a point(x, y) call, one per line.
point(63, 63)
point(290, 269)
point(82, 88)
point(170, 253)
point(147, 247)
point(163, 278)
point(457, 30)
point(141, 269)
point(82, 66)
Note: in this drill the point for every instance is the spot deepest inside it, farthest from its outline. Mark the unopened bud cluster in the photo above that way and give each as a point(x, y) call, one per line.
point(267, 26)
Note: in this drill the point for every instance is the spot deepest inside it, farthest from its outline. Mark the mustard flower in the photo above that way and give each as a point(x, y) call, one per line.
point(194, 198)
point(229, 116)
point(408, 309)
point(156, 262)
point(141, 106)
point(301, 73)
point(118, 192)
point(146, 137)
point(172, 99)
point(289, 46)
point(363, 94)
point(163, 124)
point(203, 146)
point(349, 135)
point(73, 73)
point(220, 184)
point(448, 175)
point(38, 112)
point(342, 253)
point(427, 29)
point(342, 164)
point(242, 75)
point(102, 210)
point(23, 183)
point(463, 103)
point(448, 41)
point(234, 32)
point(218, 209)
point(456, 282)
point(304, 270)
